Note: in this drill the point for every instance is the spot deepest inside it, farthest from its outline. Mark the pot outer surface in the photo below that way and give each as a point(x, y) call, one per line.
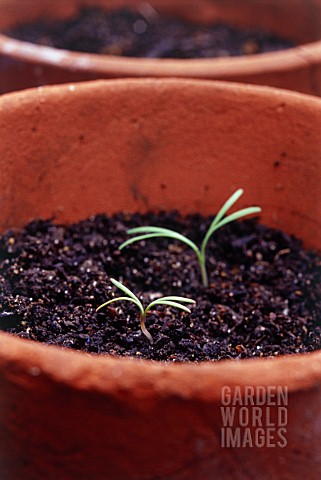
point(25, 65)
point(113, 146)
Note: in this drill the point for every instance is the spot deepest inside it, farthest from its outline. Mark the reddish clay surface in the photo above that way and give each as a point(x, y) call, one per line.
point(135, 145)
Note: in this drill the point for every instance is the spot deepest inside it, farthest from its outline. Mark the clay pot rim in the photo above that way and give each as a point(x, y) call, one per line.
point(236, 88)
point(141, 377)
point(292, 58)
point(105, 373)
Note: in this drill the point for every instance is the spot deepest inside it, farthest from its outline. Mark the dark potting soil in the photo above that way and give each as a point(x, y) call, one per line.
point(146, 34)
point(263, 299)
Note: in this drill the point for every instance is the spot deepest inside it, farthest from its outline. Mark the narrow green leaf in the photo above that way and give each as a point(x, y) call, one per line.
point(124, 289)
point(138, 239)
point(230, 218)
point(148, 229)
point(117, 300)
point(178, 299)
point(227, 205)
point(169, 303)
point(152, 232)
point(128, 292)
point(236, 215)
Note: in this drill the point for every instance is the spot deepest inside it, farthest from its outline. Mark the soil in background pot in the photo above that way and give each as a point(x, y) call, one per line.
point(263, 297)
point(147, 34)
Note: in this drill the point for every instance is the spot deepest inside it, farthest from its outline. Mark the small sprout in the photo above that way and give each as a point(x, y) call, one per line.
point(218, 222)
point(171, 301)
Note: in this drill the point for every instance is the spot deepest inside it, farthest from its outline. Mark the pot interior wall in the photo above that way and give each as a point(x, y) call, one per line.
point(76, 150)
point(299, 20)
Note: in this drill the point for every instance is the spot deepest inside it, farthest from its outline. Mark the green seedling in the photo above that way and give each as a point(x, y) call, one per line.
point(219, 221)
point(171, 301)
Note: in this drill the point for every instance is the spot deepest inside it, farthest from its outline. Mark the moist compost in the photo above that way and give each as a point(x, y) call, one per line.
point(263, 297)
point(146, 34)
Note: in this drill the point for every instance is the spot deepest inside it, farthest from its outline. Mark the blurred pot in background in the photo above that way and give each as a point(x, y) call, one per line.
point(26, 65)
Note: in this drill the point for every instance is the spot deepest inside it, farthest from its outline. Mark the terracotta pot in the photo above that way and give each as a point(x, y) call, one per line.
point(25, 65)
point(135, 145)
